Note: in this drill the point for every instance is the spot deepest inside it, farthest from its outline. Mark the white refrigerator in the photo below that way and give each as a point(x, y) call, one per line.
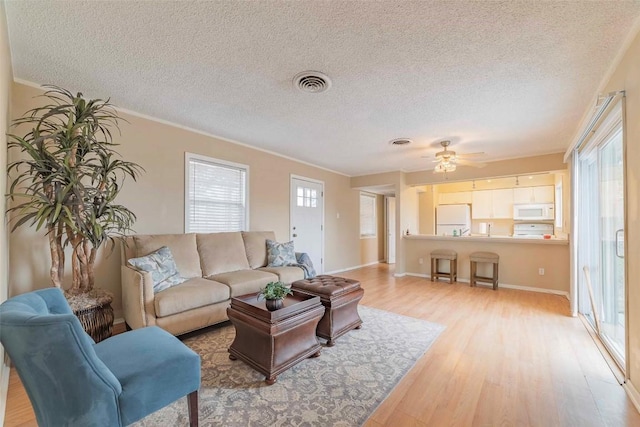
point(453, 217)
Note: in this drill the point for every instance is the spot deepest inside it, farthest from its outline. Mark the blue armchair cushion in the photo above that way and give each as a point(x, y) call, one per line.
point(162, 267)
point(140, 360)
point(280, 254)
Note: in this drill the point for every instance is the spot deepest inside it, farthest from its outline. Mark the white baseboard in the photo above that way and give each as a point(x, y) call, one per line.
point(400, 274)
point(633, 394)
point(352, 268)
point(532, 289)
point(505, 285)
point(426, 276)
point(5, 370)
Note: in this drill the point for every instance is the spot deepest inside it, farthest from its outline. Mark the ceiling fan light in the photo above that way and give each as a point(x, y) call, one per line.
point(444, 167)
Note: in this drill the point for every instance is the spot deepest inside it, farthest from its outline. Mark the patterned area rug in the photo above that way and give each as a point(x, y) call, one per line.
point(342, 387)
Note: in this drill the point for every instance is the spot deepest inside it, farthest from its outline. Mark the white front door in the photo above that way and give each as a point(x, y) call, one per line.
point(307, 217)
point(390, 227)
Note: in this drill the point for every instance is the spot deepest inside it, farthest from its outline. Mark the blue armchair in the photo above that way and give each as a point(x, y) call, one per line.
point(72, 381)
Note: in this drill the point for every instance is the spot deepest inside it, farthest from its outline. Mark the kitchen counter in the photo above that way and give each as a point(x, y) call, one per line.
point(490, 239)
point(530, 264)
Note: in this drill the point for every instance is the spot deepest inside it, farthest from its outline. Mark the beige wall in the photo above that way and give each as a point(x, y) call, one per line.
point(158, 198)
point(519, 262)
point(410, 210)
point(626, 77)
point(426, 210)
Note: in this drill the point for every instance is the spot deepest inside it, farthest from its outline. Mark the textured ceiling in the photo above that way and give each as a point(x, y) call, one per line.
point(511, 79)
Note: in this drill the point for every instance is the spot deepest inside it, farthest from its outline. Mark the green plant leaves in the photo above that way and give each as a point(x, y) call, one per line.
point(275, 290)
point(69, 173)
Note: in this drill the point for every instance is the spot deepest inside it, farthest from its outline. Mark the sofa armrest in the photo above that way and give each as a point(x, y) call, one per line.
point(137, 297)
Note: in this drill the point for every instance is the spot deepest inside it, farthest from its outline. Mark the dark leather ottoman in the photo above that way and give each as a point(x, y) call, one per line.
point(340, 298)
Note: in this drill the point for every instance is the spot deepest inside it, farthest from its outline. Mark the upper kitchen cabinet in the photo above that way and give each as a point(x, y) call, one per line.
point(492, 204)
point(459, 197)
point(539, 194)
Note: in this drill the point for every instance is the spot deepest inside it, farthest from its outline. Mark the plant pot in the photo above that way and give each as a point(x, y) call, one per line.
point(94, 311)
point(274, 304)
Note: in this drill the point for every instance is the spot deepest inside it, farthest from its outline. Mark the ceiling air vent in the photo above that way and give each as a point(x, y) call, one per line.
point(400, 141)
point(312, 82)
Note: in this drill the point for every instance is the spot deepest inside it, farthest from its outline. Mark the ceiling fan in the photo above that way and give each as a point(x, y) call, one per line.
point(448, 159)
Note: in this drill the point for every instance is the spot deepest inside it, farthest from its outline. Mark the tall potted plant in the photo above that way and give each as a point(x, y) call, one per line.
point(66, 182)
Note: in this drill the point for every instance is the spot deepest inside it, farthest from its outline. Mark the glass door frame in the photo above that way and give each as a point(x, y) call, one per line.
point(610, 121)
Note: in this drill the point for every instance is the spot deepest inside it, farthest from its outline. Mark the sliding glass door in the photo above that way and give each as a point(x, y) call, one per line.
point(601, 291)
point(612, 243)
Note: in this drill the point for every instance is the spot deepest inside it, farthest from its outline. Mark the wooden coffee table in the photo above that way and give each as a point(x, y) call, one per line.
point(273, 341)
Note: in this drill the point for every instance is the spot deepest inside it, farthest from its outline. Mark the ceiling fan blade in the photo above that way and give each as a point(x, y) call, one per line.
point(437, 159)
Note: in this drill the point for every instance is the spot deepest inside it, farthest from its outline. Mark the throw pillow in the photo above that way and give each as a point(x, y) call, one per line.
point(280, 254)
point(162, 267)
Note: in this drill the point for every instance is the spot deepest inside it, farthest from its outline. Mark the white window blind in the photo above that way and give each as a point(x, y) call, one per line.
point(367, 215)
point(216, 196)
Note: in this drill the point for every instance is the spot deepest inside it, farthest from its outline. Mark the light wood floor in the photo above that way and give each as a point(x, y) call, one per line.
point(506, 358)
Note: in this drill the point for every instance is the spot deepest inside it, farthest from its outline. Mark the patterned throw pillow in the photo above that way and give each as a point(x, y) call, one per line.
point(280, 254)
point(162, 267)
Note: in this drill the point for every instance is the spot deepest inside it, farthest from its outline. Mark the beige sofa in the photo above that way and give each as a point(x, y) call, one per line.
point(218, 266)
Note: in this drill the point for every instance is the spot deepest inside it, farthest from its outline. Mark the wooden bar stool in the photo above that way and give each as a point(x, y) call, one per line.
point(489, 257)
point(444, 254)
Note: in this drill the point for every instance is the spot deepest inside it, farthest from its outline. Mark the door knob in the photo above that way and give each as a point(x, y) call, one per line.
point(295, 235)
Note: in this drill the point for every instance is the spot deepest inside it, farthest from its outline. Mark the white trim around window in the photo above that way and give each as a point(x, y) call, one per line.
point(223, 201)
point(368, 217)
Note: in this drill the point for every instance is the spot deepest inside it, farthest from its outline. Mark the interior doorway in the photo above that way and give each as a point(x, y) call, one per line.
point(390, 229)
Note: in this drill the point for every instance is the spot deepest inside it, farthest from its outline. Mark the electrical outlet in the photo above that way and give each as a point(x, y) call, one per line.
point(541, 271)
point(421, 261)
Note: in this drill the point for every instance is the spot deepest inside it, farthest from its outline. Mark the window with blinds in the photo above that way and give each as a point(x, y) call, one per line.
point(216, 195)
point(367, 215)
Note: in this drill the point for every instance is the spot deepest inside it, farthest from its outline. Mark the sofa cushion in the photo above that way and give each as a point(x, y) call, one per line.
point(162, 267)
point(286, 274)
point(245, 281)
point(183, 247)
point(280, 254)
point(194, 293)
point(221, 253)
point(255, 245)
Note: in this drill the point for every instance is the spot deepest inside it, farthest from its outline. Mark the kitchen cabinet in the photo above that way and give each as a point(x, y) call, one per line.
point(539, 194)
point(459, 197)
point(481, 204)
point(502, 203)
point(492, 204)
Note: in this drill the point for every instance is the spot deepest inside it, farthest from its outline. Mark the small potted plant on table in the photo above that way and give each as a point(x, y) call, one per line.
point(274, 294)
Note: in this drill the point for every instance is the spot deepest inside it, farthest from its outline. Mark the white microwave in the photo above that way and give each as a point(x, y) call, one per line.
point(534, 211)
